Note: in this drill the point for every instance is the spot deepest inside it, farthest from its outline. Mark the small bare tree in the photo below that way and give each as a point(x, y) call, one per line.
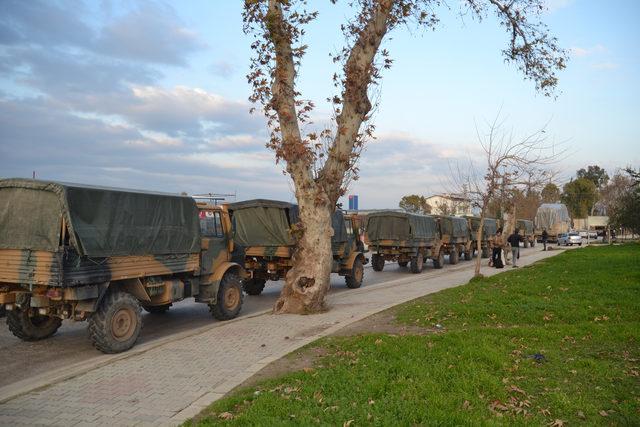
point(511, 163)
point(319, 176)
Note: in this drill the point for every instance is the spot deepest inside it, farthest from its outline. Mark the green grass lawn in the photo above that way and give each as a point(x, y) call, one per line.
point(580, 310)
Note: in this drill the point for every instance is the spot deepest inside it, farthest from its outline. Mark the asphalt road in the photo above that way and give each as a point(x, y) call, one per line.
point(20, 360)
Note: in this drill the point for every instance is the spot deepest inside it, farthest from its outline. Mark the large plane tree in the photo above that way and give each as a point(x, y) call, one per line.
point(322, 163)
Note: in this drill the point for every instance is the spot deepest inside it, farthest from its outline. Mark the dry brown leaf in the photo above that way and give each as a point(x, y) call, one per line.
point(517, 389)
point(466, 405)
point(226, 416)
point(580, 415)
point(308, 369)
point(378, 341)
point(603, 413)
point(557, 423)
point(545, 411)
point(347, 423)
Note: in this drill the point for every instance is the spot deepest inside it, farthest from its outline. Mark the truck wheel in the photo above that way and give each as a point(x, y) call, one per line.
point(467, 255)
point(157, 309)
point(526, 244)
point(533, 243)
point(453, 256)
point(31, 328)
point(439, 262)
point(377, 262)
point(354, 279)
point(115, 326)
point(485, 253)
point(229, 300)
point(403, 263)
point(254, 286)
point(417, 263)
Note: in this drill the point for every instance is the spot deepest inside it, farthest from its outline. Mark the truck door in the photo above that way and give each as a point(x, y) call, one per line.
point(214, 241)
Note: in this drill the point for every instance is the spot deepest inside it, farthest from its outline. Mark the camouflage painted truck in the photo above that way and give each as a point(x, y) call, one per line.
point(489, 228)
point(403, 237)
point(454, 238)
point(265, 243)
point(70, 251)
point(527, 232)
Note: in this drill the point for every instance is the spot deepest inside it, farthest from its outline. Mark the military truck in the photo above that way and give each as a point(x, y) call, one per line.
point(554, 217)
point(403, 237)
point(454, 238)
point(489, 228)
point(265, 243)
point(70, 251)
point(526, 231)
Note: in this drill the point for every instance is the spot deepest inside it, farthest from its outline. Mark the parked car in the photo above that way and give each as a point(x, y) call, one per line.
point(570, 239)
point(593, 235)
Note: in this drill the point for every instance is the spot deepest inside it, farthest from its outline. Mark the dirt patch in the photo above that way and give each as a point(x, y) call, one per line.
point(384, 322)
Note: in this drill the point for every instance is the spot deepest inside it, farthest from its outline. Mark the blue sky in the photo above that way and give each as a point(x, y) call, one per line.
point(153, 95)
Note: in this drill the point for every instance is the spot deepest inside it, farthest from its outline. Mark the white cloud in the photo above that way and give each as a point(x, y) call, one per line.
point(581, 52)
point(605, 66)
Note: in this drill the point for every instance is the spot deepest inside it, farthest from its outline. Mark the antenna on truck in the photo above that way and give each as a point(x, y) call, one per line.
point(214, 197)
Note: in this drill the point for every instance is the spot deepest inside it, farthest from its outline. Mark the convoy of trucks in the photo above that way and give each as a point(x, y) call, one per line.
point(70, 251)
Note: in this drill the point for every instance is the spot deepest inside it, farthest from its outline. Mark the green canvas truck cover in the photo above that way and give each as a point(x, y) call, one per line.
point(525, 226)
point(102, 222)
point(262, 222)
point(391, 225)
point(454, 226)
point(489, 228)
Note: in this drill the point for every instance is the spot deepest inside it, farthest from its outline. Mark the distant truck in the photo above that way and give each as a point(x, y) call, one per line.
point(265, 244)
point(554, 217)
point(454, 238)
point(489, 229)
point(69, 251)
point(403, 237)
point(527, 232)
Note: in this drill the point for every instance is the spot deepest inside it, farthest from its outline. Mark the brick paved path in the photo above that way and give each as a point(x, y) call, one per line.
point(174, 381)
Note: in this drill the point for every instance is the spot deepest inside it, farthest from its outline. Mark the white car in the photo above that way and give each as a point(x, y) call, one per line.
point(570, 239)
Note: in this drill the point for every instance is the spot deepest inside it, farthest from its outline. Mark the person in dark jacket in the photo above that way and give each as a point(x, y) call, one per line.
point(545, 238)
point(514, 240)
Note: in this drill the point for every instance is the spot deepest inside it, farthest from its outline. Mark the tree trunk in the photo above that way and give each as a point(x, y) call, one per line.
point(308, 281)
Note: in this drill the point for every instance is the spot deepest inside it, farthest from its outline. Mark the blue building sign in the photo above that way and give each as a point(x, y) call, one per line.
point(353, 202)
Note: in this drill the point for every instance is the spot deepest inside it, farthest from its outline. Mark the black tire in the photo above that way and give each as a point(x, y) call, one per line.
point(253, 286)
point(377, 262)
point(116, 325)
point(579, 244)
point(439, 261)
point(157, 309)
point(417, 263)
point(526, 244)
point(533, 243)
point(403, 263)
point(485, 252)
point(229, 301)
point(468, 255)
point(453, 256)
point(354, 279)
point(32, 328)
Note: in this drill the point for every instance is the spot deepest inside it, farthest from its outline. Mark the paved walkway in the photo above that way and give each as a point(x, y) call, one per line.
point(174, 381)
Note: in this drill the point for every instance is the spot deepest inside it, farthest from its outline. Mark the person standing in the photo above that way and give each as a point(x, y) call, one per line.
point(545, 238)
point(496, 254)
point(514, 240)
